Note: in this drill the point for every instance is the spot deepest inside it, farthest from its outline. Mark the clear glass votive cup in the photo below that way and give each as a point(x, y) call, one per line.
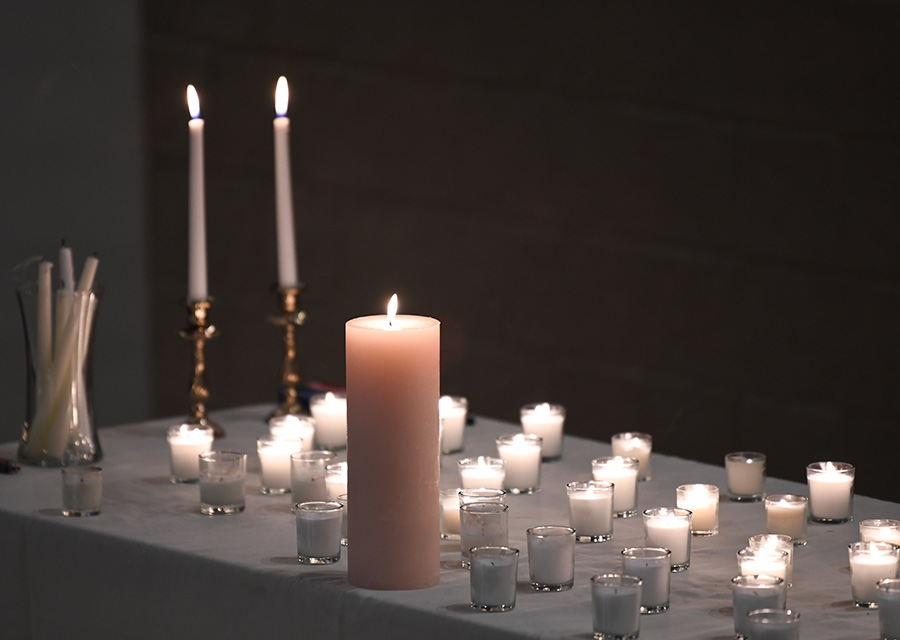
point(652, 565)
point(336, 480)
point(450, 514)
point(633, 444)
point(591, 510)
point(889, 608)
point(786, 513)
point(222, 476)
point(481, 495)
point(453, 411)
point(275, 462)
point(702, 500)
point(616, 606)
point(318, 531)
point(879, 530)
point(670, 529)
point(773, 624)
point(291, 426)
point(521, 455)
point(746, 473)
point(830, 491)
point(482, 524)
point(869, 563)
point(761, 561)
point(344, 499)
point(750, 593)
point(623, 473)
point(778, 541)
point(186, 443)
point(482, 472)
point(308, 475)
point(82, 491)
point(493, 577)
point(329, 410)
point(545, 420)
point(551, 557)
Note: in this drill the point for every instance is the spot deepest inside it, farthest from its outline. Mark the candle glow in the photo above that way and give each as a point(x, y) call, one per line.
point(392, 311)
point(193, 101)
point(281, 97)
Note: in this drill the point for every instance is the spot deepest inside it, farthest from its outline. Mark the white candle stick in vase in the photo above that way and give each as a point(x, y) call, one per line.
point(284, 203)
point(197, 282)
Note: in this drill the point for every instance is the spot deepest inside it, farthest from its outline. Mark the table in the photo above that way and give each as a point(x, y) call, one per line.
point(150, 566)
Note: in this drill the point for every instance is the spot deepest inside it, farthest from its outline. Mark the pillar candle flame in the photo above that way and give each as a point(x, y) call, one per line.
point(193, 101)
point(392, 310)
point(281, 97)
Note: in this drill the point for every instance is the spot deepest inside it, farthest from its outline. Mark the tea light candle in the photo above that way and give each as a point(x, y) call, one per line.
point(635, 445)
point(786, 513)
point(291, 426)
point(521, 455)
point(336, 480)
point(670, 529)
point(450, 514)
point(755, 592)
point(82, 491)
point(308, 472)
point(329, 410)
point(275, 462)
point(453, 411)
point(482, 473)
point(652, 565)
point(746, 472)
point(186, 443)
point(830, 491)
point(545, 420)
point(869, 563)
point(703, 502)
point(494, 570)
point(889, 607)
point(877, 530)
point(758, 561)
point(551, 557)
point(591, 510)
point(777, 542)
point(616, 606)
point(622, 472)
point(318, 532)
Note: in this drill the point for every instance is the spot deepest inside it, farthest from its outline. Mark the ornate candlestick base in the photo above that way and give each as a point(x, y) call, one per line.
point(198, 331)
point(289, 318)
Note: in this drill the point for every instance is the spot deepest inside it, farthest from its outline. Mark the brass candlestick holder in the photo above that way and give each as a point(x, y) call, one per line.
point(289, 318)
point(198, 332)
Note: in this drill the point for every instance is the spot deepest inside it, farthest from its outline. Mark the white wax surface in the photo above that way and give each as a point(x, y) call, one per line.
point(616, 610)
point(637, 448)
point(197, 281)
point(454, 427)
point(625, 492)
point(749, 598)
point(523, 465)
point(481, 478)
point(551, 559)
point(223, 492)
point(786, 518)
point(336, 484)
point(184, 452)
point(656, 575)
point(82, 496)
point(450, 513)
point(590, 513)
point(493, 580)
point(284, 205)
point(867, 569)
point(829, 495)
point(673, 534)
point(319, 534)
point(275, 461)
point(705, 509)
point(549, 427)
point(745, 477)
point(331, 422)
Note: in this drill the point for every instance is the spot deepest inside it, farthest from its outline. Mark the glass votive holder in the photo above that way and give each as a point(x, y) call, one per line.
point(879, 530)
point(616, 606)
point(318, 531)
point(308, 475)
point(551, 557)
point(521, 455)
point(780, 542)
point(869, 563)
point(329, 410)
point(670, 529)
point(82, 491)
point(786, 513)
point(746, 473)
point(481, 495)
point(482, 473)
point(291, 426)
point(702, 500)
point(482, 524)
point(622, 472)
point(450, 514)
point(275, 462)
point(453, 411)
point(186, 443)
point(750, 593)
point(652, 566)
point(222, 475)
point(545, 420)
point(344, 499)
point(773, 624)
point(591, 510)
point(761, 561)
point(830, 491)
point(493, 577)
point(633, 444)
point(336, 480)
point(889, 608)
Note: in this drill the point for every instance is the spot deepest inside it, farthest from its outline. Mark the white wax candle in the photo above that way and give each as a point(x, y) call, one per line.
point(44, 347)
point(669, 529)
point(616, 610)
point(308, 476)
point(336, 480)
point(318, 533)
point(284, 203)
point(830, 492)
point(197, 283)
point(482, 473)
point(186, 443)
point(776, 542)
point(551, 557)
point(493, 578)
point(786, 514)
point(703, 502)
point(623, 473)
point(222, 492)
point(755, 592)
point(545, 420)
point(329, 410)
point(634, 445)
point(275, 462)
point(889, 609)
point(291, 426)
point(746, 472)
point(521, 455)
point(591, 510)
point(452, 411)
point(880, 530)
point(869, 563)
point(761, 561)
point(82, 490)
point(652, 566)
point(450, 512)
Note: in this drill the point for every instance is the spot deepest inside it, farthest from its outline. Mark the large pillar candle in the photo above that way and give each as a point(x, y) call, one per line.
point(393, 387)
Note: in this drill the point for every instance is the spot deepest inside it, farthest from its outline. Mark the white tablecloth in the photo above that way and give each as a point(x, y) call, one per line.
point(150, 566)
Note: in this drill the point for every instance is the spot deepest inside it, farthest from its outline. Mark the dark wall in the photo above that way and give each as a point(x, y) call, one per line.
point(679, 218)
